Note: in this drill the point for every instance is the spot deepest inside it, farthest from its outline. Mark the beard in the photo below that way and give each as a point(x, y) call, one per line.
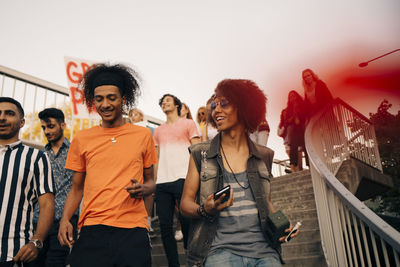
point(59, 135)
point(13, 132)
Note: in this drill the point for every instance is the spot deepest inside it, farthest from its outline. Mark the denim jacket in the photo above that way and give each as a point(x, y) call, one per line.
point(209, 164)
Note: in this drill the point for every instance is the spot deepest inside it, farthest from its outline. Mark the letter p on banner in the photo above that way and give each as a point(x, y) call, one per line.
point(75, 69)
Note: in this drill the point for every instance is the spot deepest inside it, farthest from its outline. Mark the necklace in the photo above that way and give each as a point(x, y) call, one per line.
point(114, 141)
point(234, 176)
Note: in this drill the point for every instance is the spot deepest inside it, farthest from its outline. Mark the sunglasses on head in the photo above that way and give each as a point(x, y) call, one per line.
point(223, 103)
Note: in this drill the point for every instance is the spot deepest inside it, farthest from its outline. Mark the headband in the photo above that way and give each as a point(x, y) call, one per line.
point(108, 78)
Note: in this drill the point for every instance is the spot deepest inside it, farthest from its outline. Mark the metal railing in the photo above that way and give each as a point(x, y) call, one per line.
point(347, 133)
point(280, 167)
point(351, 234)
point(36, 94)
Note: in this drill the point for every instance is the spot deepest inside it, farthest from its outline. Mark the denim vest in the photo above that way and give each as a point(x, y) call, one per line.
point(209, 164)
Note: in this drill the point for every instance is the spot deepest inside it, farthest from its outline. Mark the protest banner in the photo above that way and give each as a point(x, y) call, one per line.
point(75, 69)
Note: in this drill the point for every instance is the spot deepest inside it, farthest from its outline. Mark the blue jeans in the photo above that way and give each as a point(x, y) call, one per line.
point(222, 257)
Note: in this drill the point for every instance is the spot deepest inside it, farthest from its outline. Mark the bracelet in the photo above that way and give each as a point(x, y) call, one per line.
point(203, 213)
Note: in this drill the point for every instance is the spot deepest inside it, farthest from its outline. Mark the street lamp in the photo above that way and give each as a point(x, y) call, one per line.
point(364, 64)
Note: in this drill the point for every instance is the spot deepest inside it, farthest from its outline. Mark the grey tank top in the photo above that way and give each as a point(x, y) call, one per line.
point(238, 227)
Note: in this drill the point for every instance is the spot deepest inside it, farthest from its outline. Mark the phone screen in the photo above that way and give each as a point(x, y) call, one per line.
point(226, 190)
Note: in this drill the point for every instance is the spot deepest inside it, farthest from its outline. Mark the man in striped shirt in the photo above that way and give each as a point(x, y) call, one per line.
point(25, 178)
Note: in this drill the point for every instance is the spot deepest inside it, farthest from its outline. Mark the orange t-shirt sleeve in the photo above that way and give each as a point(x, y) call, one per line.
point(150, 157)
point(75, 160)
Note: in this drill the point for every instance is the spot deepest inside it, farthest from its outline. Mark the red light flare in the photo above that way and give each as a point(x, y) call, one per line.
point(365, 88)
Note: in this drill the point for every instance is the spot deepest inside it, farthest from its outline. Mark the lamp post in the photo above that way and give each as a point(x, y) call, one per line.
point(364, 64)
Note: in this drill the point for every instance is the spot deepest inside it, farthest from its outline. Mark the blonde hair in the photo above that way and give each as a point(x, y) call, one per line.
point(315, 77)
point(138, 111)
point(198, 113)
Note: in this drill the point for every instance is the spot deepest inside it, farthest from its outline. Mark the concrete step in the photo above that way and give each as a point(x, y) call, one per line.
point(297, 205)
point(301, 249)
point(292, 178)
point(158, 248)
point(289, 187)
point(295, 174)
point(306, 261)
point(292, 191)
point(282, 199)
point(161, 260)
point(294, 195)
point(298, 214)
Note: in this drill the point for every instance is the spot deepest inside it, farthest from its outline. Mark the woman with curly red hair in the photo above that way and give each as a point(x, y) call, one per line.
point(232, 228)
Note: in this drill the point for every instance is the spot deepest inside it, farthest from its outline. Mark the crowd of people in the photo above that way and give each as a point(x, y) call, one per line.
point(89, 202)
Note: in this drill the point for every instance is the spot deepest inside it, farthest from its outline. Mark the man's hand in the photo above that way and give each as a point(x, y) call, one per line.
point(27, 253)
point(65, 233)
point(138, 190)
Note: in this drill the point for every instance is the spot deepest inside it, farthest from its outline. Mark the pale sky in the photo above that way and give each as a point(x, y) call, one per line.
point(187, 47)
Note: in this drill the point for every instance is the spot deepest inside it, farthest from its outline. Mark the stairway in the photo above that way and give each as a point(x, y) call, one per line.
point(294, 195)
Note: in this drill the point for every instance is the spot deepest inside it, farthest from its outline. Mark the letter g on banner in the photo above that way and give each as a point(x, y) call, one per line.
point(75, 69)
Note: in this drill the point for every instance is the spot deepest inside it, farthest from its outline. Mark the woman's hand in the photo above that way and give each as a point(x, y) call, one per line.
point(288, 230)
point(212, 206)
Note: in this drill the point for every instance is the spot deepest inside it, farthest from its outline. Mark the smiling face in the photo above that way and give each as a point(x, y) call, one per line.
point(10, 122)
point(168, 104)
point(53, 130)
point(224, 114)
point(202, 114)
point(308, 77)
point(108, 103)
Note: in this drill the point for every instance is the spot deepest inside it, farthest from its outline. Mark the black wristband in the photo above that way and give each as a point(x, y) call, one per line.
point(203, 213)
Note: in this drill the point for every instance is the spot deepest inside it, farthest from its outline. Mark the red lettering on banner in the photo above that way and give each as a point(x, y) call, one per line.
point(85, 67)
point(72, 74)
point(77, 98)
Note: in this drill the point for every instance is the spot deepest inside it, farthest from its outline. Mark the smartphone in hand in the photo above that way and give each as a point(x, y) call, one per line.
point(226, 190)
point(294, 230)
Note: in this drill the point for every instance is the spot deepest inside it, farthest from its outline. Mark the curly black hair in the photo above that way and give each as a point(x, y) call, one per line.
point(129, 82)
point(247, 97)
point(177, 102)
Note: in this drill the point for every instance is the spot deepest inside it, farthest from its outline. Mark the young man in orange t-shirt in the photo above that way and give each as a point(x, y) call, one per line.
point(113, 171)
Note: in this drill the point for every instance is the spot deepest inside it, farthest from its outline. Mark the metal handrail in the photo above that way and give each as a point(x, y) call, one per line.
point(343, 245)
point(33, 83)
point(33, 80)
point(341, 102)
